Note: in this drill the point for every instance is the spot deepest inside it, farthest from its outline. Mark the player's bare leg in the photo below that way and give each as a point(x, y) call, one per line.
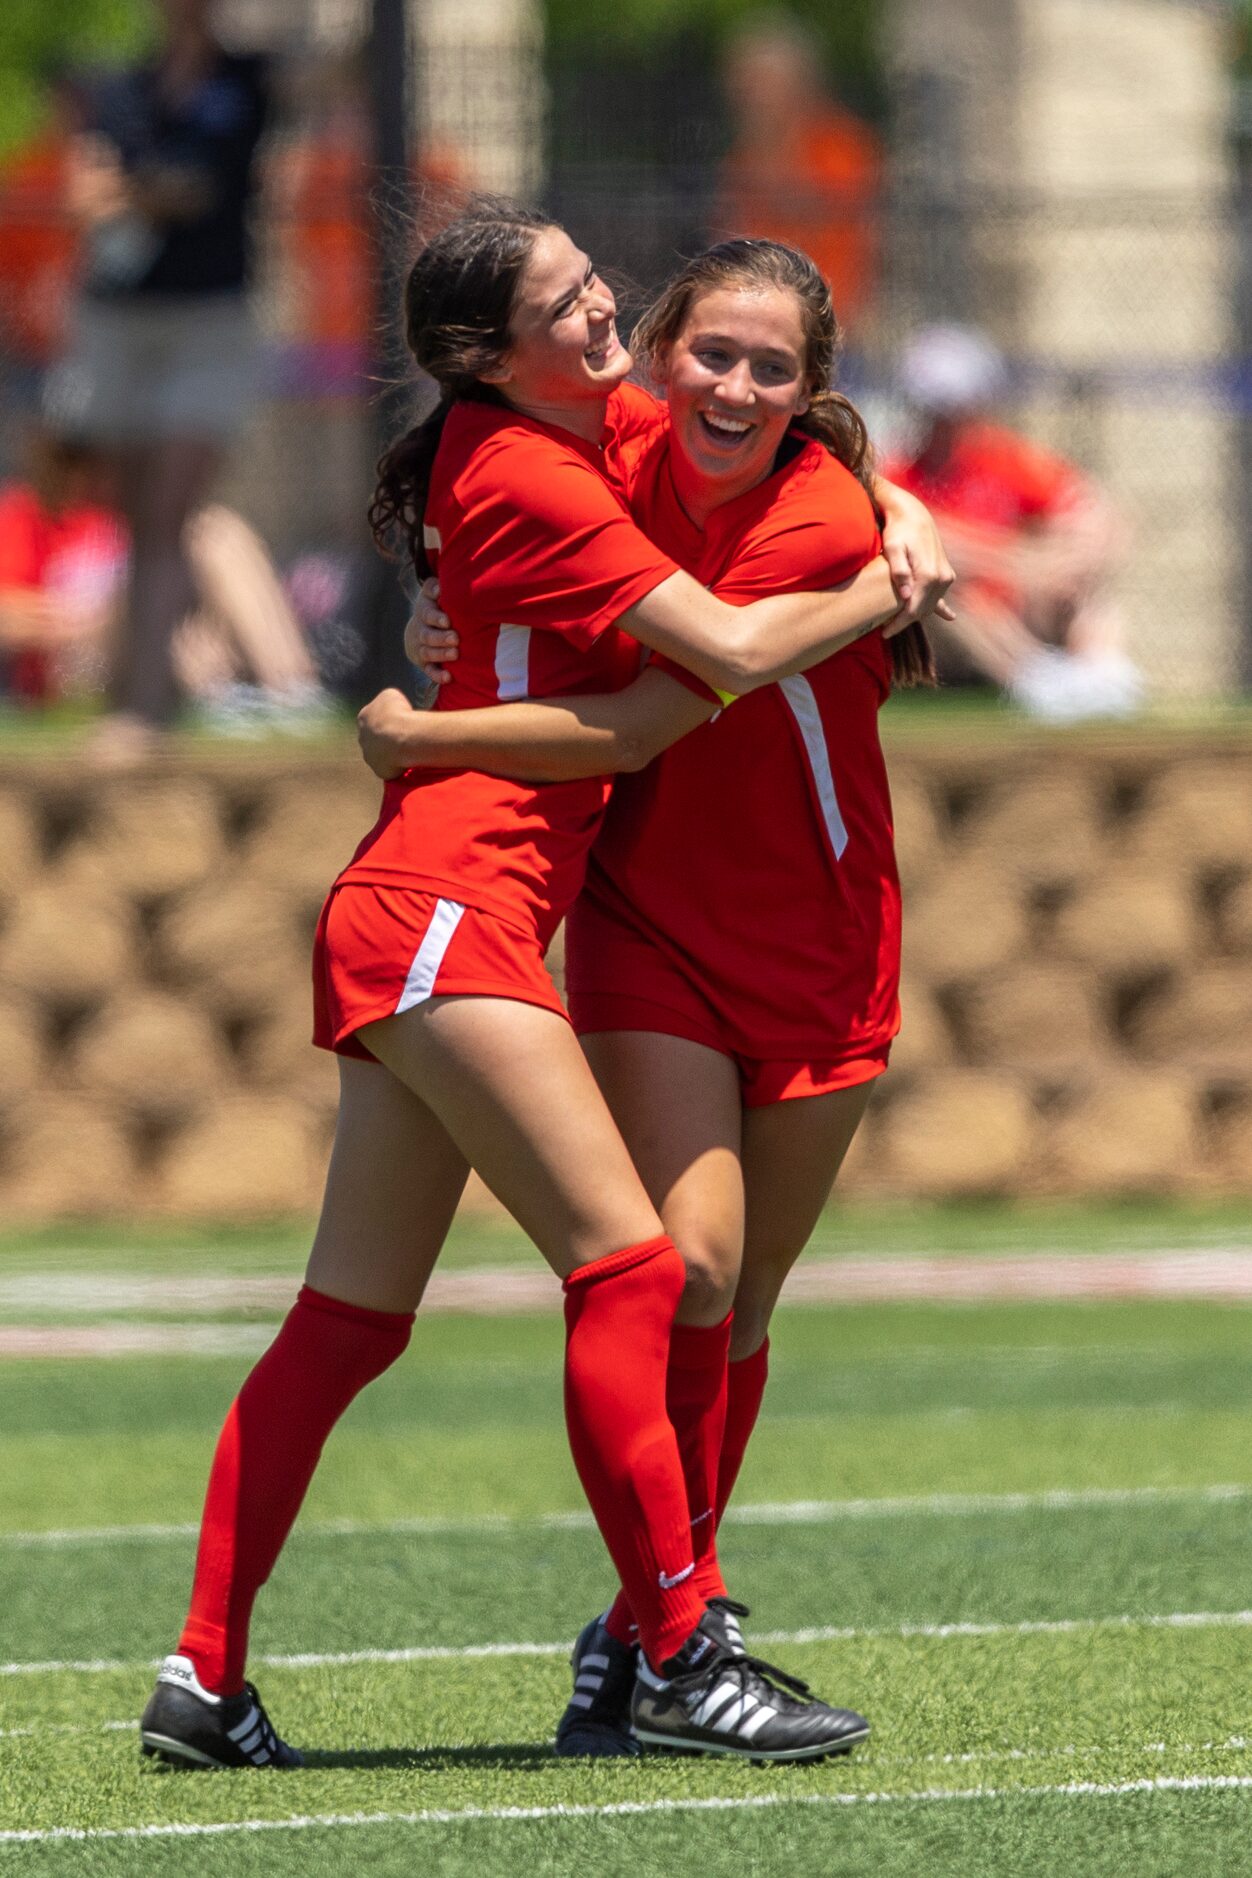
point(678, 1105)
point(792, 1153)
point(512, 1088)
point(393, 1185)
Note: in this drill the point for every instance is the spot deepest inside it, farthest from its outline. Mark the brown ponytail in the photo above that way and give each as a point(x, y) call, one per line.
point(832, 419)
point(458, 303)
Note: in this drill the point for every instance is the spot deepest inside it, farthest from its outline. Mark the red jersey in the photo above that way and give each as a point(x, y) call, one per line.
point(991, 475)
point(994, 479)
point(537, 557)
point(76, 556)
point(757, 852)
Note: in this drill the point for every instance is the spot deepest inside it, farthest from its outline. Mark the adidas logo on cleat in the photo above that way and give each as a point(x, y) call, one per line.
point(716, 1699)
point(186, 1725)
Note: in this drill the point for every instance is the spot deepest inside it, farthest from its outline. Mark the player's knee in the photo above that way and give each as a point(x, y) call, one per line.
point(712, 1271)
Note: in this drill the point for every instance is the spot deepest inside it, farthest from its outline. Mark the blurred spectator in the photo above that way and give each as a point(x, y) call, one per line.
point(62, 565)
point(161, 361)
point(38, 243)
point(1033, 541)
point(324, 178)
point(800, 169)
point(238, 651)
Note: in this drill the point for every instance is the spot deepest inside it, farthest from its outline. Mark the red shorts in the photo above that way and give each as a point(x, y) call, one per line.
point(636, 986)
point(381, 950)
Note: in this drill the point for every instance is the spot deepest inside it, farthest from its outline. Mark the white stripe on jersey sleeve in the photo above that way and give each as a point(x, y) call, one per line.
point(803, 704)
point(513, 663)
point(431, 537)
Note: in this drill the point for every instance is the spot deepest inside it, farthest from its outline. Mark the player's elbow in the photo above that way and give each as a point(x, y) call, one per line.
point(633, 751)
point(743, 667)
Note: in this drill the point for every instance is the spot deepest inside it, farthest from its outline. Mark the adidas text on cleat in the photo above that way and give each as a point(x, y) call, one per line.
point(186, 1726)
point(597, 1718)
point(718, 1700)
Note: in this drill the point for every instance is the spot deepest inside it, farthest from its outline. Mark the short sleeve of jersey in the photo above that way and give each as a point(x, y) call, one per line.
point(548, 543)
point(821, 531)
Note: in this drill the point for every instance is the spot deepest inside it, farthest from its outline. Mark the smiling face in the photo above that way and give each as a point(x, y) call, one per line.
point(735, 376)
point(564, 351)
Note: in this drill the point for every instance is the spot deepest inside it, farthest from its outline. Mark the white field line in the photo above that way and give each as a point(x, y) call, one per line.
point(1223, 1272)
point(470, 1815)
point(824, 1633)
point(767, 1513)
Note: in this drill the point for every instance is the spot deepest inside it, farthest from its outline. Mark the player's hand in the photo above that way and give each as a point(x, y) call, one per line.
point(96, 185)
point(385, 732)
point(921, 572)
point(430, 640)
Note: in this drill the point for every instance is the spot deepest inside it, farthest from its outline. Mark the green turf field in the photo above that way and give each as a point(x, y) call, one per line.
point(1016, 1535)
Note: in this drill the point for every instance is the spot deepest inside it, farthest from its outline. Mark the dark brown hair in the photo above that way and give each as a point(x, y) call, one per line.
point(459, 298)
point(832, 419)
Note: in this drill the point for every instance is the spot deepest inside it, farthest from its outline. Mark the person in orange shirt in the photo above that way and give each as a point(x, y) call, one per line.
point(1032, 539)
point(801, 170)
point(38, 249)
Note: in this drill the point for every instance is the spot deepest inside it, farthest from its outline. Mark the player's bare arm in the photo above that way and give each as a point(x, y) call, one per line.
point(534, 740)
point(914, 549)
point(736, 649)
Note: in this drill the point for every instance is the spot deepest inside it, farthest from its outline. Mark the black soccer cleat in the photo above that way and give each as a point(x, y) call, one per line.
point(185, 1726)
point(716, 1699)
point(597, 1718)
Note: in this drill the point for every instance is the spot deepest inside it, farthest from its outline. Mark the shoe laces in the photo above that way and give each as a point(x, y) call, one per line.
point(777, 1681)
point(780, 1687)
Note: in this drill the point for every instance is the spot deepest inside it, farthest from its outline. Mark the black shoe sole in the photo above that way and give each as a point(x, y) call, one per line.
point(170, 1754)
point(587, 1751)
point(759, 1757)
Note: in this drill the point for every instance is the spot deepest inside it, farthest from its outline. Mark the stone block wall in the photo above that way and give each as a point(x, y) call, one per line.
point(1077, 1001)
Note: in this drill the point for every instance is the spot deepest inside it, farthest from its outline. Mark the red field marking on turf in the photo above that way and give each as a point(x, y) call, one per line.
point(1223, 1274)
point(617, 1809)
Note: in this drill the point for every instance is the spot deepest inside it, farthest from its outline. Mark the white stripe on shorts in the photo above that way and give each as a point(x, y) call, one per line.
point(431, 537)
point(430, 955)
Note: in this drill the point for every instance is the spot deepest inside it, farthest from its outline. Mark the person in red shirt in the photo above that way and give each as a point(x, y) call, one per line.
point(62, 566)
point(430, 985)
point(733, 960)
point(1033, 539)
point(64, 552)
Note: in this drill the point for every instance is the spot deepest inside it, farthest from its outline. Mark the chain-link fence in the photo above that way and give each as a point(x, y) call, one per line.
point(1123, 319)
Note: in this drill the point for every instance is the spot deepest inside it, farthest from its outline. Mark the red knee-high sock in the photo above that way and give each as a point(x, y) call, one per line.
point(695, 1400)
point(619, 1313)
point(322, 1357)
point(745, 1385)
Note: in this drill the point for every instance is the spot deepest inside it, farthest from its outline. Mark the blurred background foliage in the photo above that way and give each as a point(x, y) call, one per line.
point(656, 29)
point(38, 37)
